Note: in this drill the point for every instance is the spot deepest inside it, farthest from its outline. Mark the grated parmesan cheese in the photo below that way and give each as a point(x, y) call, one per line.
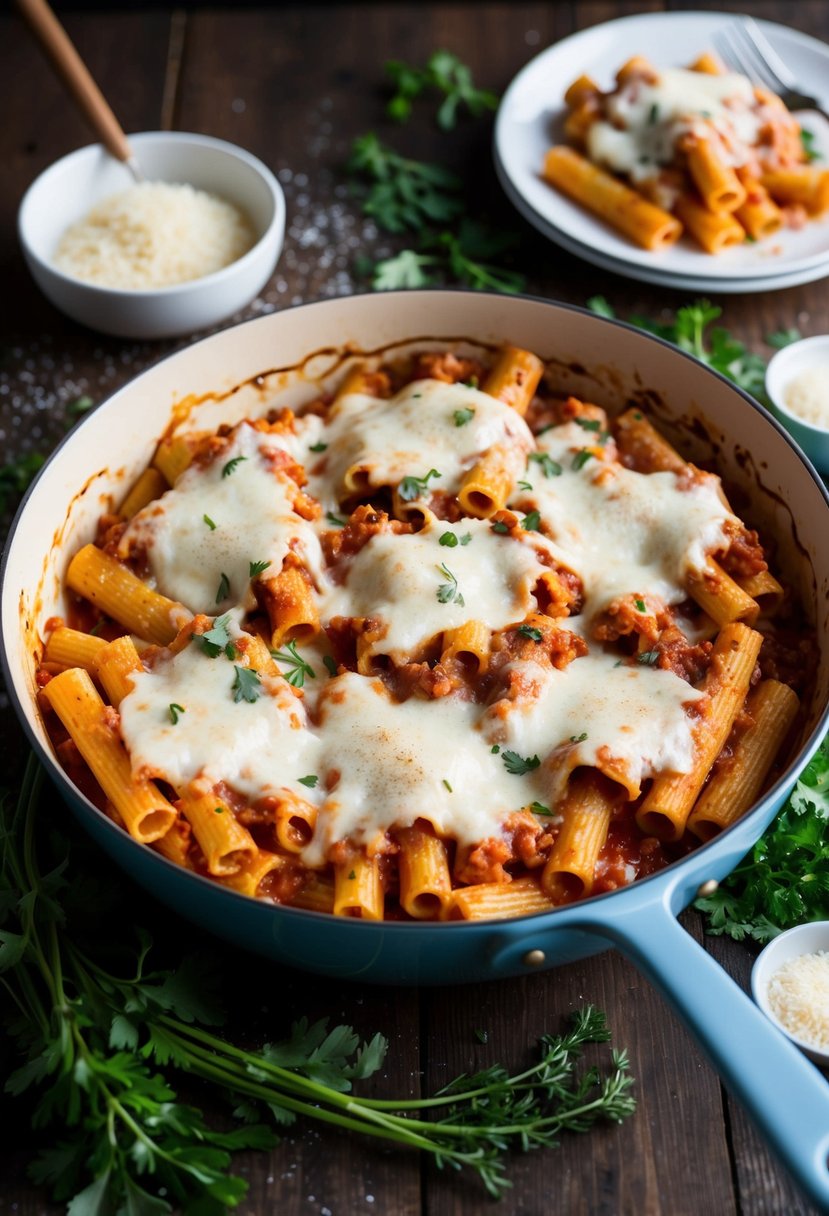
point(799, 998)
point(155, 234)
point(807, 395)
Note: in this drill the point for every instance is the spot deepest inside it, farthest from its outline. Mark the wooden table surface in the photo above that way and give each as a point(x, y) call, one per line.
point(295, 83)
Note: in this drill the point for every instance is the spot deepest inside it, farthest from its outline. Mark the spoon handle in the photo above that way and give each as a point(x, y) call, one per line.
point(76, 76)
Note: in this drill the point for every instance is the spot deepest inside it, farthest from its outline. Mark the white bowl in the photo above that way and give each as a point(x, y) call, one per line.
point(782, 369)
point(803, 939)
point(66, 191)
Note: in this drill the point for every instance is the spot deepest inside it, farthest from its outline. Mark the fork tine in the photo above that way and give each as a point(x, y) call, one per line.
point(775, 65)
point(727, 47)
point(756, 65)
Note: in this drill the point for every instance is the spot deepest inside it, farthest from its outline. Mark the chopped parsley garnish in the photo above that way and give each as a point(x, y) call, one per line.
point(257, 568)
point(530, 631)
point(311, 780)
point(579, 738)
point(495, 749)
point(538, 808)
point(640, 605)
point(330, 664)
point(466, 538)
point(519, 765)
point(589, 424)
point(209, 522)
point(352, 875)
point(415, 487)
point(448, 593)
point(448, 539)
point(653, 114)
point(648, 657)
point(230, 467)
point(463, 416)
point(334, 520)
point(580, 459)
point(500, 527)
point(175, 712)
point(448, 786)
point(97, 627)
point(549, 467)
point(215, 640)
point(247, 685)
point(482, 1036)
point(531, 521)
point(472, 382)
point(525, 485)
point(298, 669)
point(224, 588)
point(318, 447)
point(218, 810)
point(807, 139)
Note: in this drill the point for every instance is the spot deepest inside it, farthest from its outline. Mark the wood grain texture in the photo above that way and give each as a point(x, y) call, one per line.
point(295, 83)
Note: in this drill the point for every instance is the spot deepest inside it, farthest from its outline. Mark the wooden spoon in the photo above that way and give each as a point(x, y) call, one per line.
point(74, 73)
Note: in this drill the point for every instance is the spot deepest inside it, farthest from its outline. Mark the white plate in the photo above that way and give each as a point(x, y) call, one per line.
point(533, 108)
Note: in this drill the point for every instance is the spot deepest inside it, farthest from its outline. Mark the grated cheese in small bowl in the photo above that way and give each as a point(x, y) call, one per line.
point(799, 998)
point(790, 983)
point(155, 234)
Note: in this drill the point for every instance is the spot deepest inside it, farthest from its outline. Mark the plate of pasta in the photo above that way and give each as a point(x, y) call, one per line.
point(672, 168)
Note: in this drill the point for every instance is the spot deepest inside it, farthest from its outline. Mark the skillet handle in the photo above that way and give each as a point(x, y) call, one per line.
point(783, 1091)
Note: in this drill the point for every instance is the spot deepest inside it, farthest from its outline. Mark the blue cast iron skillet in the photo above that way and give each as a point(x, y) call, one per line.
point(601, 360)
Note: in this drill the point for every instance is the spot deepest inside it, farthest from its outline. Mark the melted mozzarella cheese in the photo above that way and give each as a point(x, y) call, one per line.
point(416, 431)
point(255, 748)
point(635, 716)
point(398, 581)
point(625, 532)
point(646, 120)
point(394, 763)
point(254, 522)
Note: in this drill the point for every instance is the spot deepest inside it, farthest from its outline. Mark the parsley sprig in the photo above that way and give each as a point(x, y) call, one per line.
point(412, 487)
point(401, 194)
point(448, 593)
point(784, 880)
point(101, 1044)
point(297, 667)
point(448, 75)
point(465, 256)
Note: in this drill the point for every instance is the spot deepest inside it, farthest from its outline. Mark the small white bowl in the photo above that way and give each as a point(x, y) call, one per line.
point(67, 190)
point(782, 369)
point(803, 939)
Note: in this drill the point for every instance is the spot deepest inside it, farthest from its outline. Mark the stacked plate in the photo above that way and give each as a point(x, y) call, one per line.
point(530, 120)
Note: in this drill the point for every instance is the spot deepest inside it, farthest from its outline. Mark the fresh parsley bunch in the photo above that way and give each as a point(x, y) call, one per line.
point(444, 73)
point(101, 1036)
point(784, 880)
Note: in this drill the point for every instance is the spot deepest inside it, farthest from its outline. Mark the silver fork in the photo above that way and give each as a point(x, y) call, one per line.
point(743, 45)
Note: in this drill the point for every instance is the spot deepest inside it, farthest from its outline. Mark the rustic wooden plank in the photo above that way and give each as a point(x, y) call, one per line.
point(642, 1166)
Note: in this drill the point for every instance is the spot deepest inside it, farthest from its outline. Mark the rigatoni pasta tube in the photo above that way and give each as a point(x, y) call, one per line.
point(668, 803)
point(119, 593)
point(713, 230)
point(253, 874)
point(226, 844)
point(116, 663)
point(514, 377)
point(173, 455)
point(486, 487)
point(150, 485)
point(145, 811)
point(586, 810)
point(357, 888)
point(610, 199)
point(738, 780)
point(641, 442)
point(721, 597)
point(70, 648)
point(759, 214)
point(803, 184)
point(469, 644)
point(719, 186)
point(425, 882)
point(498, 900)
point(289, 601)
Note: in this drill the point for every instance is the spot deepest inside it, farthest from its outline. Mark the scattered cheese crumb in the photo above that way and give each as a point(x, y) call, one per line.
point(807, 395)
point(799, 998)
point(155, 234)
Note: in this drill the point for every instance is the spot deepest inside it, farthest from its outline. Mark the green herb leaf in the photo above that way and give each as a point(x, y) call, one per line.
point(318, 447)
point(588, 424)
point(81, 405)
point(448, 593)
point(807, 140)
point(495, 749)
point(257, 568)
point(580, 459)
point(401, 194)
point(297, 667)
point(330, 664)
point(444, 73)
point(175, 712)
point(783, 337)
point(209, 522)
point(600, 306)
point(247, 685)
point(461, 417)
point(549, 467)
point(579, 738)
point(232, 465)
point(531, 521)
point(448, 786)
point(500, 527)
point(16, 477)
point(530, 631)
point(215, 640)
point(538, 808)
point(406, 270)
point(448, 539)
point(517, 765)
point(224, 589)
point(639, 604)
point(334, 520)
point(648, 657)
point(310, 781)
point(411, 488)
